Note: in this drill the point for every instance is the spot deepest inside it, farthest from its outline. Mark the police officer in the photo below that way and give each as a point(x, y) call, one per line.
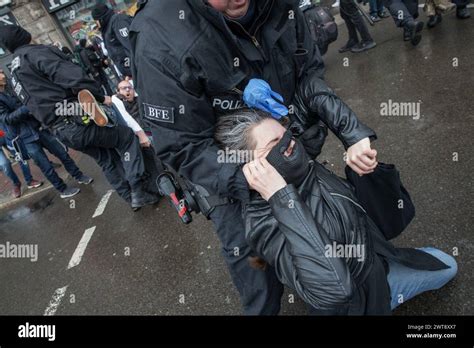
point(114, 28)
point(405, 13)
point(48, 84)
point(191, 62)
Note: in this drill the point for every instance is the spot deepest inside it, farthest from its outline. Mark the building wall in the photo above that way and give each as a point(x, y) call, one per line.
point(33, 17)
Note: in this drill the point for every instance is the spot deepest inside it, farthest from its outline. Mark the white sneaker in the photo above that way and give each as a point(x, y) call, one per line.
point(336, 4)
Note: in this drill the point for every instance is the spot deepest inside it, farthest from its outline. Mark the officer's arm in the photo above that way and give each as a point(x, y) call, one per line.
point(66, 74)
point(123, 21)
point(183, 127)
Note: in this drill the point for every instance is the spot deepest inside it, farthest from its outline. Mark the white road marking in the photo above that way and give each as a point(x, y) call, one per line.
point(81, 248)
point(56, 301)
point(103, 203)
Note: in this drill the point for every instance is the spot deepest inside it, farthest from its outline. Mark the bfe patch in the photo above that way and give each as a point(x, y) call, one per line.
point(158, 113)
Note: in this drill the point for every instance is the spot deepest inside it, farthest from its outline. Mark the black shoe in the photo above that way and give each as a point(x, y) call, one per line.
point(415, 28)
point(348, 46)
point(363, 46)
point(434, 20)
point(140, 198)
point(406, 34)
point(463, 13)
point(69, 192)
point(383, 14)
point(375, 18)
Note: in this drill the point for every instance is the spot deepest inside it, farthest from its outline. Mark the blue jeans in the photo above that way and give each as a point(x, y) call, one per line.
point(6, 167)
point(49, 142)
point(405, 283)
point(375, 7)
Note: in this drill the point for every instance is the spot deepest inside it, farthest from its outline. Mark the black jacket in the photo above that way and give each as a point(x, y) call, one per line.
point(115, 34)
point(190, 71)
point(293, 230)
point(91, 60)
point(42, 77)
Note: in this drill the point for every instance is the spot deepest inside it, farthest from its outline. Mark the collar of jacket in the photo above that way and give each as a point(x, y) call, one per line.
point(273, 24)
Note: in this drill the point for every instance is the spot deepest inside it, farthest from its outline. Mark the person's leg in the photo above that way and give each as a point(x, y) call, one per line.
point(351, 29)
point(260, 291)
point(7, 169)
point(373, 10)
point(462, 12)
point(109, 161)
point(412, 7)
point(36, 152)
point(126, 143)
point(51, 143)
point(399, 12)
point(405, 283)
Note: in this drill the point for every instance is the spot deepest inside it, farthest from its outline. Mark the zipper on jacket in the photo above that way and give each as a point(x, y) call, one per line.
point(349, 199)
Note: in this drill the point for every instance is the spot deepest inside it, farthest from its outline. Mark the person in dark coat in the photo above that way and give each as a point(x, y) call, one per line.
point(115, 30)
point(50, 86)
point(308, 224)
point(94, 65)
point(191, 70)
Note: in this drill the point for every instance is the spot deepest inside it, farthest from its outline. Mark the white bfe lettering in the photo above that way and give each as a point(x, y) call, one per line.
point(158, 113)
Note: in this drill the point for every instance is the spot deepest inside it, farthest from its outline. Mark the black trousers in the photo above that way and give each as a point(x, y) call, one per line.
point(116, 150)
point(461, 3)
point(354, 21)
point(260, 291)
point(402, 11)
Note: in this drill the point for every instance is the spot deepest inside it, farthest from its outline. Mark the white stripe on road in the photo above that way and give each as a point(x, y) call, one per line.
point(103, 203)
point(56, 301)
point(81, 248)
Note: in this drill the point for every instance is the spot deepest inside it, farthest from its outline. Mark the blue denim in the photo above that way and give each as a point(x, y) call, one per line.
point(6, 167)
point(405, 283)
point(52, 144)
point(58, 149)
point(375, 7)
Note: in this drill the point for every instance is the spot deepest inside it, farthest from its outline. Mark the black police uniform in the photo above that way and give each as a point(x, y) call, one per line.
point(115, 34)
point(44, 79)
point(191, 65)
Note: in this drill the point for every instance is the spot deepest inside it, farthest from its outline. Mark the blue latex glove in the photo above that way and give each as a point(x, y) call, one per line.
point(258, 94)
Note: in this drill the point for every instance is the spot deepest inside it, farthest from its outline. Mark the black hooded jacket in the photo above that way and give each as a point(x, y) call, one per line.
point(191, 65)
point(115, 31)
point(296, 230)
point(43, 76)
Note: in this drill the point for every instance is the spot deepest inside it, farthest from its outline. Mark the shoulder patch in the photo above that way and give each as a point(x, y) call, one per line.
point(123, 32)
point(159, 113)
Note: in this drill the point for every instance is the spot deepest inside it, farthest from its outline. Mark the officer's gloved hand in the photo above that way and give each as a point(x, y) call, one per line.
point(258, 94)
point(313, 139)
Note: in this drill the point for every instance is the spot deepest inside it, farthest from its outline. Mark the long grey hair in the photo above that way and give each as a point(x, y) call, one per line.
point(233, 131)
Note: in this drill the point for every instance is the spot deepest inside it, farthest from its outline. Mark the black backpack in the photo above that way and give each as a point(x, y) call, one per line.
point(321, 24)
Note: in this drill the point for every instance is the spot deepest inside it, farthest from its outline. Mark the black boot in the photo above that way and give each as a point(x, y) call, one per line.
point(140, 198)
point(363, 46)
point(434, 20)
point(463, 12)
point(348, 46)
point(414, 28)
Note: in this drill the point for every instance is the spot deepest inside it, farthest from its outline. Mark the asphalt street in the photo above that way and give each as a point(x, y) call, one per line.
point(148, 263)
